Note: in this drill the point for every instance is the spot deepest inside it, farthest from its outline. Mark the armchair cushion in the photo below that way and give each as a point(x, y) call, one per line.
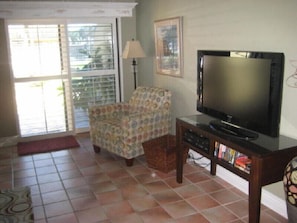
point(121, 128)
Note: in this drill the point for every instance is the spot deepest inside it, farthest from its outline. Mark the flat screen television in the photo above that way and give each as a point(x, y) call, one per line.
point(242, 90)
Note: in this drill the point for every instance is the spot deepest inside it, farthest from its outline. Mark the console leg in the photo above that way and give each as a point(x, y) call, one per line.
point(213, 168)
point(179, 154)
point(255, 191)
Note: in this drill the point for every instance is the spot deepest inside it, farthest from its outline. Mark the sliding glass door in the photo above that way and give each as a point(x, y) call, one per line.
point(59, 68)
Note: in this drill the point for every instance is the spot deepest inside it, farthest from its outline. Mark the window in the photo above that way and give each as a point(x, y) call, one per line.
point(60, 67)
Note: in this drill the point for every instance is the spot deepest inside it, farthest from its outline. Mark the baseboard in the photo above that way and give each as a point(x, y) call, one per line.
point(275, 203)
point(268, 199)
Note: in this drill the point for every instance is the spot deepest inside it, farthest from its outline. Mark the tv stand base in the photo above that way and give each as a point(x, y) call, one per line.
point(269, 156)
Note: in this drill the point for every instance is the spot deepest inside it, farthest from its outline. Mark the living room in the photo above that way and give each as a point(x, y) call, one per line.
point(219, 25)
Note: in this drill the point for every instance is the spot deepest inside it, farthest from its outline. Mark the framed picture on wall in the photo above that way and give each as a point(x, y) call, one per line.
point(168, 44)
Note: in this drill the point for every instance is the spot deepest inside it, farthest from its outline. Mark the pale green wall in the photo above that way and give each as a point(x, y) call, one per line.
point(8, 126)
point(129, 32)
point(128, 26)
point(267, 25)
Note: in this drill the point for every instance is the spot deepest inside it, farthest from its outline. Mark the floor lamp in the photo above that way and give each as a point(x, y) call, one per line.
point(133, 50)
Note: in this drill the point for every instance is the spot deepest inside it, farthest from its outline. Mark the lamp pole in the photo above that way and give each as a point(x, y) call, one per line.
point(134, 71)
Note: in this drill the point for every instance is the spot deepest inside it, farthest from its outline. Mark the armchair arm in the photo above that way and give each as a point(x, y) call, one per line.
point(101, 112)
point(140, 127)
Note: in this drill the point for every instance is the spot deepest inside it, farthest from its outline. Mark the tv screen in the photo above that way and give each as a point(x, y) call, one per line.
point(240, 88)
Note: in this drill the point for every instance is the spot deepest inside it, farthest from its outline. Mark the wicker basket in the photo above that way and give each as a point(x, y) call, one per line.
point(160, 153)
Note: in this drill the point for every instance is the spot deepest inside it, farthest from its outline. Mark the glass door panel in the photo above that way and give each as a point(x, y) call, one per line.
point(41, 107)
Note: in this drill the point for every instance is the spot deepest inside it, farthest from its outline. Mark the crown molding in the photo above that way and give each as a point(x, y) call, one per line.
point(47, 9)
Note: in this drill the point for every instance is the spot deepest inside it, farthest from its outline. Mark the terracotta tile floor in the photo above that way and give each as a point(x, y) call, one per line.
point(77, 185)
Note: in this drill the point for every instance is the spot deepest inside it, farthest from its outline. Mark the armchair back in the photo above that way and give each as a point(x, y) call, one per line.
point(145, 99)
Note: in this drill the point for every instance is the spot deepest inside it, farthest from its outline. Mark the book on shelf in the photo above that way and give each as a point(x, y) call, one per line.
point(225, 153)
point(233, 157)
point(216, 150)
point(243, 163)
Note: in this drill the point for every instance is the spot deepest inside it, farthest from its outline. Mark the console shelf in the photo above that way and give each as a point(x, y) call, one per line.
point(268, 156)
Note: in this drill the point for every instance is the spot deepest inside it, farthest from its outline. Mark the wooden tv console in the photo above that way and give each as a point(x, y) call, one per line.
point(269, 156)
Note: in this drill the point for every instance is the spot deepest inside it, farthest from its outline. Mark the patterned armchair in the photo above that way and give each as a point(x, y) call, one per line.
point(121, 128)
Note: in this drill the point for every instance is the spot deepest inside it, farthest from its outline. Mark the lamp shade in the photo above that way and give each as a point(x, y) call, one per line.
point(133, 49)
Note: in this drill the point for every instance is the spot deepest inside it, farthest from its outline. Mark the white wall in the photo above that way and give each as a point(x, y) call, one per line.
point(267, 25)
